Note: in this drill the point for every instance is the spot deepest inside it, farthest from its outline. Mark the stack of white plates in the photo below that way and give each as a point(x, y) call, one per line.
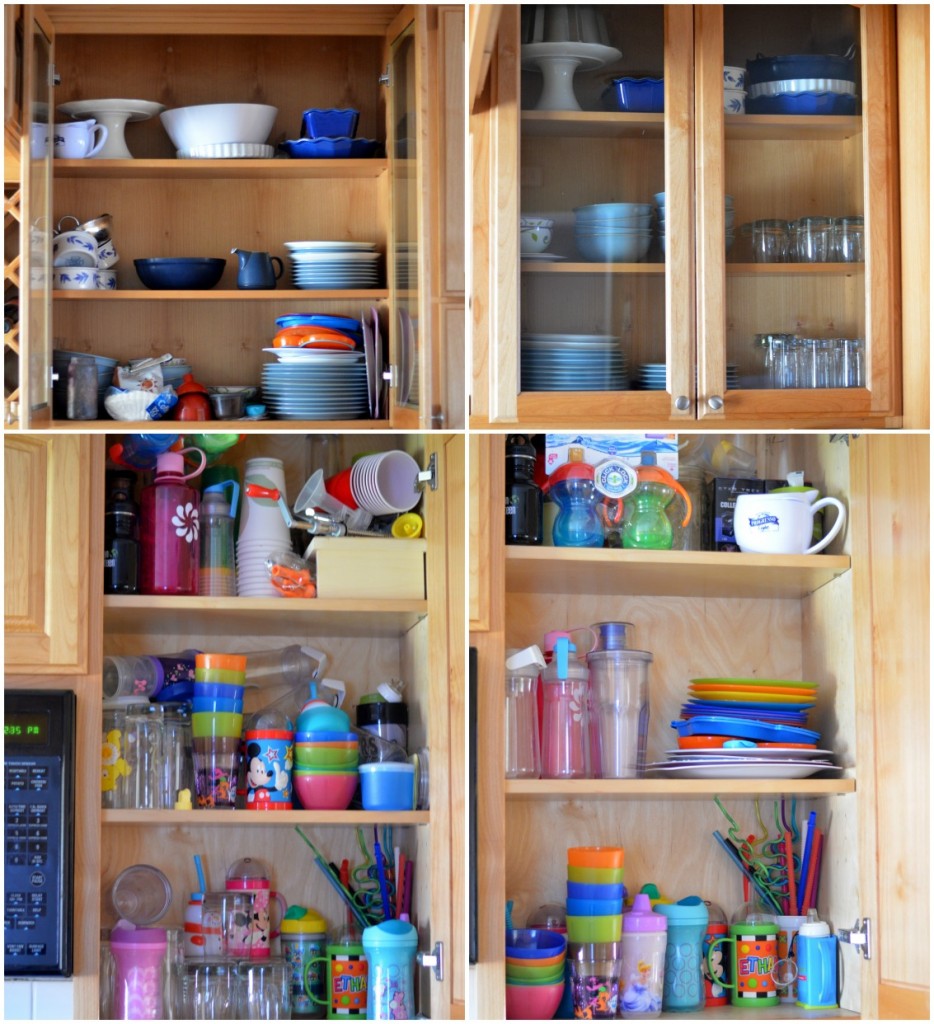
point(323, 385)
point(325, 265)
point(573, 362)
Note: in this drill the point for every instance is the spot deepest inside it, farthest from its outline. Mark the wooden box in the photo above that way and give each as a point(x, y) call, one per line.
point(369, 567)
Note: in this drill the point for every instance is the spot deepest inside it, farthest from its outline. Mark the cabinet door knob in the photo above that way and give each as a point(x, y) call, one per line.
point(682, 403)
point(715, 402)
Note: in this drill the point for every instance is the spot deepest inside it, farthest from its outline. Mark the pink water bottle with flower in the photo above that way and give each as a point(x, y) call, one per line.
point(169, 528)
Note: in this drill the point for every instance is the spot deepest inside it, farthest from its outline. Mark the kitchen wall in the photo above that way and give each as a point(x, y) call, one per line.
point(38, 1000)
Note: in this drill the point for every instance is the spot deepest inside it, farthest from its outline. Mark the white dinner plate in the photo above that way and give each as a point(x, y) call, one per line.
point(740, 770)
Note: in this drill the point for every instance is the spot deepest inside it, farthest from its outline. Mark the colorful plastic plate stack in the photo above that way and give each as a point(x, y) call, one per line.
point(535, 959)
point(597, 916)
point(746, 728)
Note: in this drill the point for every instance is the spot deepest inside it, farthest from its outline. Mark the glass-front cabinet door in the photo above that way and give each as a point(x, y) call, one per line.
point(799, 148)
point(705, 200)
point(606, 230)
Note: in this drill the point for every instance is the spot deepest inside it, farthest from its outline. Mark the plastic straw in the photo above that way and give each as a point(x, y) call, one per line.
point(816, 845)
point(334, 882)
point(199, 868)
point(790, 874)
point(381, 874)
point(407, 898)
point(763, 894)
point(808, 840)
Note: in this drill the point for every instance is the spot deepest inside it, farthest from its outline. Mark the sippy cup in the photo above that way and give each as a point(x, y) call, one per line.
point(645, 522)
point(571, 487)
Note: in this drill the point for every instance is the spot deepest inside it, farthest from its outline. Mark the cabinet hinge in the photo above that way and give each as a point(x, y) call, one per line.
point(53, 376)
point(391, 373)
point(437, 417)
point(430, 475)
point(434, 960)
point(860, 935)
point(54, 77)
point(842, 438)
point(386, 77)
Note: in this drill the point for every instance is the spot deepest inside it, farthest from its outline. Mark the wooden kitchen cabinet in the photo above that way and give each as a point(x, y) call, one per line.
point(698, 307)
point(855, 620)
point(386, 60)
point(367, 641)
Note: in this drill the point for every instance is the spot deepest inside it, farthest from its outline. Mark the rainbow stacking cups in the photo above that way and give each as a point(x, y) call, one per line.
point(595, 893)
point(216, 725)
point(535, 959)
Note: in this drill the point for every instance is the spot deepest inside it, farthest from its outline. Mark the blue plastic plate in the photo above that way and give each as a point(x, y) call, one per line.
point(744, 729)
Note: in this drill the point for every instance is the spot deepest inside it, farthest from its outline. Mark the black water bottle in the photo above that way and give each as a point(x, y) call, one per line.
point(524, 499)
point(121, 539)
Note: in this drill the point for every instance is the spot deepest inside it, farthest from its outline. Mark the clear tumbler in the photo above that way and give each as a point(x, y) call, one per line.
point(619, 685)
point(523, 757)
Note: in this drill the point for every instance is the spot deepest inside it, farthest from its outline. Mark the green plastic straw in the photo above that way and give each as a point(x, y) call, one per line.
point(335, 882)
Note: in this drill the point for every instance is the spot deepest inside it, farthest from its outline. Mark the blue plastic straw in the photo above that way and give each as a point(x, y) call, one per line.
point(806, 859)
point(381, 872)
point(200, 870)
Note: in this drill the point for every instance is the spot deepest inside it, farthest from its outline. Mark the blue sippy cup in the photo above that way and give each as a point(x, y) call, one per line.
point(390, 951)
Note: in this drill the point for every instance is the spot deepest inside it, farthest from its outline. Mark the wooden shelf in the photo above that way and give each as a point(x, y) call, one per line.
point(795, 269)
point(793, 127)
point(246, 819)
point(533, 267)
point(211, 170)
point(681, 789)
point(247, 616)
point(232, 426)
point(668, 573)
point(218, 295)
point(592, 124)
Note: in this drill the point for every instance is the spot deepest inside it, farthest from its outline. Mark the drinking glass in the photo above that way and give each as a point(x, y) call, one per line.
point(848, 239)
point(849, 358)
point(815, 239)
point(207, 991)
point(770, 241)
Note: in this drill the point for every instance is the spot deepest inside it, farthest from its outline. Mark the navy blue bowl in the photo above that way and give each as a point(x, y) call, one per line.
point(317, 123)
point(800, 65)
point(180, 273)
point(636, 95)
point(803, 103)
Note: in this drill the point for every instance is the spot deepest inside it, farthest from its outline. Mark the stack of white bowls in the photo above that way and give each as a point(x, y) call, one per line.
point(386, 483)
point(262, 529)
point(614, 232)
point(662, 227)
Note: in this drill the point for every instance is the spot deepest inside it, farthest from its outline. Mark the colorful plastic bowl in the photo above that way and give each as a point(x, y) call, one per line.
point(533, 1002)
point(533, 975)
point(534, 943)
point(307, 757)
point(228, 662)
point(219, 675)
point(325, 791)
point(226, 691)
point(594, 908)
point(595, 929)
point(598, 876)
point(216, 723)
point(595, 891)
point(387, 786)
point(545, 961)
point(596, 856)
point(200, 704)
point(325, 736)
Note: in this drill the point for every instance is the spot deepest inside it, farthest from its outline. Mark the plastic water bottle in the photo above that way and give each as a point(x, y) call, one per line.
point(170, 529)
point(817, 964)
point(217, 575)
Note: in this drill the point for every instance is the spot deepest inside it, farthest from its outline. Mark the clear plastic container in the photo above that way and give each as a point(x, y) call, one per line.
point(565, 716)
point(620, 700)
point(523, 752)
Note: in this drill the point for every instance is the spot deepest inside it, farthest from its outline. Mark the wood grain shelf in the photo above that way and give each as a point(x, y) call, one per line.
point(681, 789)
point(668, 573)
point(248, 616)
point(793, 127)
point(795, 269)
point(246, 819)
point(212, 170)
point(225, 295)
point(533, 267)
point(592, 124)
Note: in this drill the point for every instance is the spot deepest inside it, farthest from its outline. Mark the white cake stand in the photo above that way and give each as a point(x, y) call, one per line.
point(558, 63)
point(114, 115)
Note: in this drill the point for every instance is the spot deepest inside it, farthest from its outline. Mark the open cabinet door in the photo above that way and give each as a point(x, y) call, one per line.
point(36, 227)
point(890, 480)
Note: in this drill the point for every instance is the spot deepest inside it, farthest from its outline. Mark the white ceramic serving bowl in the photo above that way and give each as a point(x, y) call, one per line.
point(642, 220)
point(602, 211)
point(533, 220)
point(218, 123)
point(616, 248)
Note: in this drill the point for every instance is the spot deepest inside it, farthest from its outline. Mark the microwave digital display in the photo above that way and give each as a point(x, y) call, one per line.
point(27, 728)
